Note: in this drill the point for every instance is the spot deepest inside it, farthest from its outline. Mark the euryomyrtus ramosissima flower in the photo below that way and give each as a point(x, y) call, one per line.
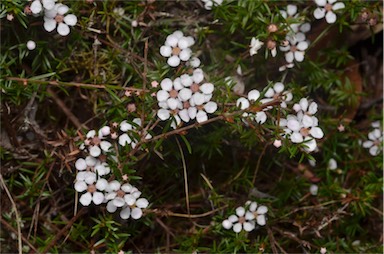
point(177, 48)
point(58, 17)
point(303, 127)
point(127, 197)
point(126, 128)
point(246, 217)
point(185, 98)
point(275, 92)
point(95, 143)
point(375, 139)
point(327, 8)
point(295, 48)
point(87, 181)
point(209, 3)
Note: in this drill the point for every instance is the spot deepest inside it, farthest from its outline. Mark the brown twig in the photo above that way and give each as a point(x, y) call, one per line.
point(25, 81)
point(65, 109)
point(182, 215)
point(63, 230)
point(19, 235)
point(9, 227)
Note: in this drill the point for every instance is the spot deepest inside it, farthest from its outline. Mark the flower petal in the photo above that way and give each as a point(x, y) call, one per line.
point(125, 213)
point(319, 13)
point(330, 17)
point(63, 29)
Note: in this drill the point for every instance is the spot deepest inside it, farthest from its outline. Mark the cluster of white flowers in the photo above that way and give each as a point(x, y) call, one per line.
point(272, 93)
point(246, 217)
point(177, 48)
point(93, 170)
point(295, 41)
point(375, 139)
point(187, 97)
point(55, 15)
point(326, 8)
point(303, 127)
point(208, 4)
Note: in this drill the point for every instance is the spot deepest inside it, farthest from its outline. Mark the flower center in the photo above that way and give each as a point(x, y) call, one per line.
point(59, 18)
point(195, 87)
point(96, 141)
point(176, 51)
point(120, 193)
point(91, 188)
point(304, 132)
point(328, 7)
point(293, 48)
point(376, 143)
point(186, 105)
point(173, 93)
point(241, 220)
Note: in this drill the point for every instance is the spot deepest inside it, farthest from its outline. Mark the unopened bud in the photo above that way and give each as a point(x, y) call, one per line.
point(272, 28)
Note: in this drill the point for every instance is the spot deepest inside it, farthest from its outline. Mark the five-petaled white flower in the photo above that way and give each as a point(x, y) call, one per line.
point(86, 181)
point(242, 220)
point(245, 217)
point(295, 50)
point(95, 143)
point(375, 139)
point(55, 18)
point(326, 9)
point(177, 48)
point(127, 197)
point(303, 127)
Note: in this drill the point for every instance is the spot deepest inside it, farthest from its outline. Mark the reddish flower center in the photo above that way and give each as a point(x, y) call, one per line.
point(293, 48)
point(241, 219)
point(186, 105)
point(173, 93)
point(91, 188)
point(304, 132)
point(195, 87)
point(328, 7)
point(59, 18)
point(176, 51)
point(120, 193)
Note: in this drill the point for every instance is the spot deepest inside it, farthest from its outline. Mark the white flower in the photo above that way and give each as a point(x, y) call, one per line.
point(256, 44)
point(209, 3)
point(177, 48)
point(94, 143)
point(31, 45)
point(313, 189)
point(242, 220)
point(303, 127)
point(332, 164)
point(55, 18)
point(375, 140)
point(290, 12)
point(295, 50)
point(259, 212)
point(185, 98)
point(127, 197)
point(326, 8)
point(86, 181)
point(126, 127)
